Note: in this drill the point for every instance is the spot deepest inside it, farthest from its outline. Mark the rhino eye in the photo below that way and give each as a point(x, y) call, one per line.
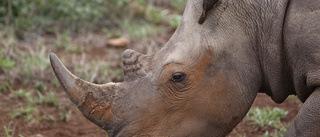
point(178, 77)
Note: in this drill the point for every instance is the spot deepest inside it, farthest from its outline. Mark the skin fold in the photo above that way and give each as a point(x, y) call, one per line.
point(205, 79)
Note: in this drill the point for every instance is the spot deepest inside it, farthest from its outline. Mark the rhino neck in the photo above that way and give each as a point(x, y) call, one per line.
point(268, 43)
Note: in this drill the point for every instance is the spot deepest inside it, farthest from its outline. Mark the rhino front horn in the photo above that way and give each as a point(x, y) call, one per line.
point(94, 101)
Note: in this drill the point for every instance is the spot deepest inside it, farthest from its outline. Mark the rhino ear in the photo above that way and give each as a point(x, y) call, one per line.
point(135, 64)
point(207, 5)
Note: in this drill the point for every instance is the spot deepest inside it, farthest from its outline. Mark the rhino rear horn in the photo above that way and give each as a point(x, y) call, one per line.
point(94, 101)
point(135, 64)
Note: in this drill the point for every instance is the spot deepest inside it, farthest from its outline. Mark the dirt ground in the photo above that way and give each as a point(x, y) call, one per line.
point(78, 126)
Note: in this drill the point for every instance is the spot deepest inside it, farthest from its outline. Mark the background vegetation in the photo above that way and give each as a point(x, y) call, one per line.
point(31, 29)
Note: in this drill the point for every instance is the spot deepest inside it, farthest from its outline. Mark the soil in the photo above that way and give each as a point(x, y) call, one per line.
point(78, 126)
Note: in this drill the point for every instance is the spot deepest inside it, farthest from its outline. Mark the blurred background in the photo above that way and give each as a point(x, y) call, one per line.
point(89, 36)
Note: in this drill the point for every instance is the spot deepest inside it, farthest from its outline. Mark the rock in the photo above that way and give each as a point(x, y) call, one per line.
point(118, 42)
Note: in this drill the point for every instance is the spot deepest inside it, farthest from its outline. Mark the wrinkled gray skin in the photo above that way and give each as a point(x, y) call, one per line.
point(204, 80)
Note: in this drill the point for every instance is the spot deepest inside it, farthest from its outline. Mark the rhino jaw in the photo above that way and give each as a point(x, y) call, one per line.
point(94, 101)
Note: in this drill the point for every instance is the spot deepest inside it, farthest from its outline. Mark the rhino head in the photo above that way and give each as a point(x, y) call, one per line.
point(201, 83)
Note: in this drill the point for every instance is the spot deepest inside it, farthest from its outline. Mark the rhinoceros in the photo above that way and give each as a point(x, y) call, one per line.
point(206, 77)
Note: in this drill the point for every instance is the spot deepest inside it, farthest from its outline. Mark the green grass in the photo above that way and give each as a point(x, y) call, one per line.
point(291, 97)
point(35, 62)
point(25, 26)
point(278, 132)
point(22, 94)
point(5, 87)
point(268, 117)
point(8, 132)
point(66, 113)
point(140, 29)
point(29, 64)
point(65, 116)
point(26, 112)
point(36, 98)
point(178, 5)
point(48, 118)
point(76, 16)
point(49, 98)
point(5, 63)
point(40, 86)
point(174, 20)
point(31, 113)
point(33, 101)
point(64, 42)
point(98, 72)
point(29, 15)
point(26, 63)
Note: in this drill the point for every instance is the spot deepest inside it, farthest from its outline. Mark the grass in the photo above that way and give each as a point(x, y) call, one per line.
point(36, 61)
point(5, 63)
point(291, 97)
point(40, 86)
point(31, 113)
point(279, 131)
point(140, 29)
point(30, 15)
point(31, 29)
point(48, 99)
point(36, 98)
point(33, 102)
point(21, 94)
point(65, 116)
point(98, 72)
point(64, 42)
point(77, 16)
point(5, 87)
point(66, 113)
point(179, 5)
point(27, 112)
point(268, 117)
point(8, 132)
point(48, 118)
point(174, 20)
point(29, 63)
